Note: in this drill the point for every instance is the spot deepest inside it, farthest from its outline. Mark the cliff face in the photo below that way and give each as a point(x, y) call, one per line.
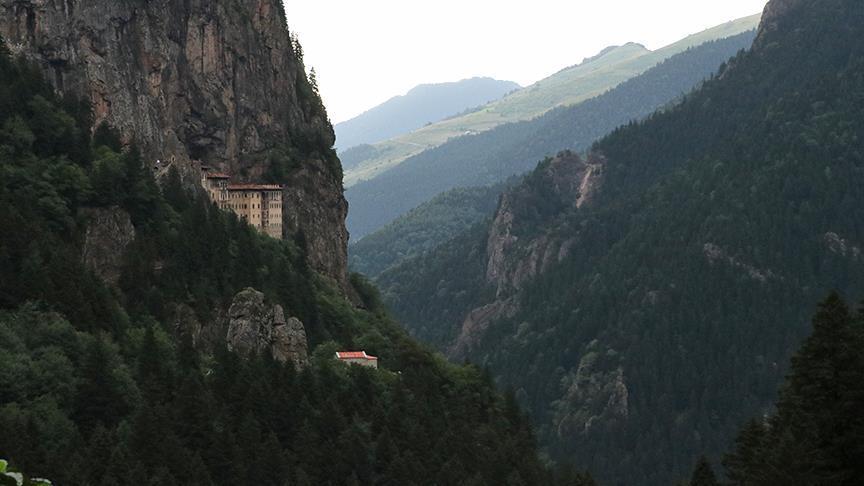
point(515, 253)
point(220, 82)
point(520, 243)
point(772, 17)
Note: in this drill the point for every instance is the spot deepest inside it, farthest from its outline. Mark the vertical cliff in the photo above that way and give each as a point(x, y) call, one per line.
point(217, 81)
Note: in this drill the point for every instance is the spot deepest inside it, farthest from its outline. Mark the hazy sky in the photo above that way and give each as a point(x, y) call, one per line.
point(366, 51)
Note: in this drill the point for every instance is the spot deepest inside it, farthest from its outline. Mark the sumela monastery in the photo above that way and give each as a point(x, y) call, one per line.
point(260, 205)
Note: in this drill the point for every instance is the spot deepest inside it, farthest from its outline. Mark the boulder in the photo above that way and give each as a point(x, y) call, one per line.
point(256, 327)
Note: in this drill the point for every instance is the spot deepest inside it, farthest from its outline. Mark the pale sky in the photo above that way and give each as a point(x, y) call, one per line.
point(367, 51)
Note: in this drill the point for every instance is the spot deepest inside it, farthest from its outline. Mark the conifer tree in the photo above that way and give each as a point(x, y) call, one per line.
point(703, 475)
point(100, 398)
point(819, 402)
point(815, 437)
point(745, 462)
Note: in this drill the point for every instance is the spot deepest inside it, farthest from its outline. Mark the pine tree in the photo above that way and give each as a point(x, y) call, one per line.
point(174, 192)
point(745, 463)
point(815, 437)
point(100, 397)
point(313, 80)
point(703, 475)
point(820, 402)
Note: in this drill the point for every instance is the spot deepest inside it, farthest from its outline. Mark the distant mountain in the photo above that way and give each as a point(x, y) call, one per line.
point(643, 300)
point(494, 155)
point(591, 78)
point(427, 103)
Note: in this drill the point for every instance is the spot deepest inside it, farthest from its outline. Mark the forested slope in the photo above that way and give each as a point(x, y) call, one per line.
point(647, 321)
point(424, 228)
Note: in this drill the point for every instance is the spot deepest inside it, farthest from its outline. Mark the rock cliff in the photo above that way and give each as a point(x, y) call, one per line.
point(256, 327)
point(515, 252)
point(217, 81)
point(772, 16)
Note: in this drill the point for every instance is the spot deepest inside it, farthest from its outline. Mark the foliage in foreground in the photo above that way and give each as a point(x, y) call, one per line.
point(816, 435)
point(10, 477)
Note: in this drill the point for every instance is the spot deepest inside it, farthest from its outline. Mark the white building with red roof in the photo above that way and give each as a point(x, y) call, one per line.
point(357, 357)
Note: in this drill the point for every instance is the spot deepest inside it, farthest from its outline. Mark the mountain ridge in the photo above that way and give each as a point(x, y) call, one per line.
point(421, 105)
point(570, 86)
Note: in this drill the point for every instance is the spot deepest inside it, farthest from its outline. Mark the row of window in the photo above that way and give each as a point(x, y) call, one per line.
point(253, 206)
point(255, 195)
point(245, 206)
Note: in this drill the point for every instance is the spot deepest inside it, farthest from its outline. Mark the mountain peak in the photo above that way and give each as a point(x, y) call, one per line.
point(626, 48)
point(423, 104)
point(774, 11)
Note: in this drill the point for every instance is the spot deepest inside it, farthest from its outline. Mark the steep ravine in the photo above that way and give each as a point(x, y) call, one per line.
point(195, 80)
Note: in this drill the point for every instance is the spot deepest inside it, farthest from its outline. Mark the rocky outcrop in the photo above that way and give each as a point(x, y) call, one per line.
point(476, 324)
point(595, 392)
point(217, 81)
point(773, 14)
point(515, 252)
point(840, 246)
point(568, 182)
point(109, 232)
point(716, 254)
point(317, 213)
point(255, 327)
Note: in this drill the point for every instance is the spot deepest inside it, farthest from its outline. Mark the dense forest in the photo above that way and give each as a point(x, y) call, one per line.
point(495, 155)
point(717, 226)
point(101, 385)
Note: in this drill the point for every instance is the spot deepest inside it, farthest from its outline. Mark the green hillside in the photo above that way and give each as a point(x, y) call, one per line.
point(421, 105)
point(569, 86)
point(643, 300)
point(423, 228)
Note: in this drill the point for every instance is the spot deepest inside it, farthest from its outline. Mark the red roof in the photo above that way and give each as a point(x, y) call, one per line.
point(354, 355)
point(255, 187)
